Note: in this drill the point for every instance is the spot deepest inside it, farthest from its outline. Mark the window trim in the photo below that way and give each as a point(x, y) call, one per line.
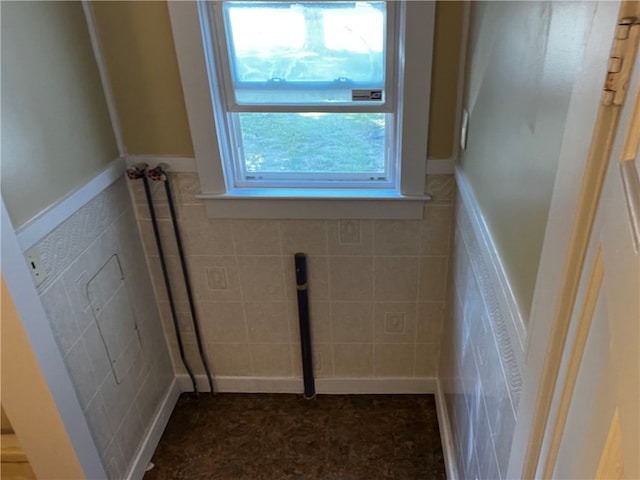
point(415, 50)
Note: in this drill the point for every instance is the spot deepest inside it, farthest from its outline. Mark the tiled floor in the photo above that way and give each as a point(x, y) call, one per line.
point(277, 437)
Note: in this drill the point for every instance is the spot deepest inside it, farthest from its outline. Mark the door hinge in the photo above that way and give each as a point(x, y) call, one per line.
point(623, 54)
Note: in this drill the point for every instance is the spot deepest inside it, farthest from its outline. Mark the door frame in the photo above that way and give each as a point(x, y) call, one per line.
point(581, 171)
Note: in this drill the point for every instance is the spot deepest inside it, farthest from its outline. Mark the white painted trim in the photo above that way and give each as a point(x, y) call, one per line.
point(298, 208)
point(104, 76)
point(580, 120)
point(517, 327)
point(319, 204)
point(446, 438)
point(43, 223)
point(409, 385)
point(149, 444)
point(174, 164)
point(444, 166)
point(399, 385)
point(186, 23)
point(187, 38)
point(36, 325)
point(416, 51)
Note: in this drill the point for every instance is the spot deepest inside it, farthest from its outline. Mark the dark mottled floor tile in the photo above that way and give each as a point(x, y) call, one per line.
point(281, 437)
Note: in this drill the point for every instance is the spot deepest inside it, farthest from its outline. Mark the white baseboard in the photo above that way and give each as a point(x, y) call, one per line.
point(376, 385)
point(448, 448)
point(47, 220)
point(145, 452)
point(420, 385)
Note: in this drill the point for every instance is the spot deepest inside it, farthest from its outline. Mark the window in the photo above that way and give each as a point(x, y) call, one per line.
point(305, 99)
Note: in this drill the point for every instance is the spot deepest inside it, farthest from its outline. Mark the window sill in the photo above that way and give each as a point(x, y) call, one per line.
point(315, 203)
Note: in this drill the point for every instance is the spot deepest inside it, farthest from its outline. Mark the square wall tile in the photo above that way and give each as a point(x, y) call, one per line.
point(80, 369)
point(396, 279)
point(395, 322)
point(427, 359)
point(126, 232)
point(207, 237)
point(396, 237)
point(100, 363)
point(305, 236)
point(351, 278)
point(430, 321)
point(227, 359)
point(436, 229)
point(117, 399)
point(114, 461)
point(256, 237)
point(167, 237)
point(99, 424)
point(442, 188)
point(393, 360)
point(350, 237)
point(183, 317)
point(61, 316)
point(352, 322)
point(433, 279)
point(214, 279)
point(271, 360)
point(353, 359)
point(322, 360)
point(222, 322)
point(130, 434)
point(267, 322)
point(261, 278)
point(176, 278)
point(186, 185)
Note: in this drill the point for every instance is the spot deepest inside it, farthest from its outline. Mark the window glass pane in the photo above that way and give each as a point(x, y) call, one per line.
point(313, 143)
point(312, 52)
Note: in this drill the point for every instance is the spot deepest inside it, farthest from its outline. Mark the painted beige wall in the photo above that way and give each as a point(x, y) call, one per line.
point(56, 131)
point(523, 61)
point(26, 398)
point(138, 47)
point(444, 81)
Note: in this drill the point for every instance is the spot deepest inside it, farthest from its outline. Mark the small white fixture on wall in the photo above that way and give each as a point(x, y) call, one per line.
point(463, 129)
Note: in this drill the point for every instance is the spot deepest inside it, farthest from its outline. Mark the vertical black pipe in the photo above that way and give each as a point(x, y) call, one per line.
point(185, 273)
point(305, 328)
point(134, 174)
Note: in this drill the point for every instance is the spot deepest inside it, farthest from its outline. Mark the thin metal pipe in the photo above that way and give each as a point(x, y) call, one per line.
point(305, 327)
point(159, 173)
point(134, 174)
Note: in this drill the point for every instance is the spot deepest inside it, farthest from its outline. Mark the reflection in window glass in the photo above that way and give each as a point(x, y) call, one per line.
point(312, 43)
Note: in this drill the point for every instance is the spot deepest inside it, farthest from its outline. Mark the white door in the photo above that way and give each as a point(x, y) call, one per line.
point(593, 428)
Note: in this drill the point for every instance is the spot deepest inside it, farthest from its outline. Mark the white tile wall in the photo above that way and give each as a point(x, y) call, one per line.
point(360, 272)
point(478, 374)
point(118, 412)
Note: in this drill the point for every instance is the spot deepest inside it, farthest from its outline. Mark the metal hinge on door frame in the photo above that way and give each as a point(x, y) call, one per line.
point(621, 61)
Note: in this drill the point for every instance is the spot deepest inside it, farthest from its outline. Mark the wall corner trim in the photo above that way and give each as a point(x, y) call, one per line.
point(43, 223)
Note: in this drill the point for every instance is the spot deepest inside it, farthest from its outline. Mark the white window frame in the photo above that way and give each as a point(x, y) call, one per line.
point(190, 24)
